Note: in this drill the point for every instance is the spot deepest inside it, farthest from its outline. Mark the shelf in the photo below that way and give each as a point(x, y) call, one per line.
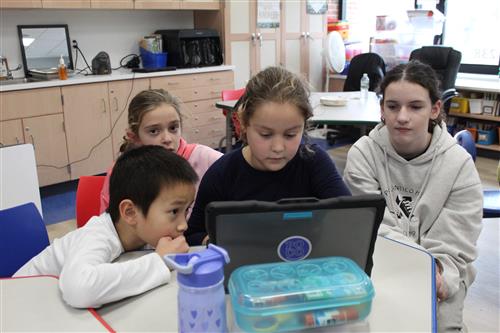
point(475, 116)
point(488, 147)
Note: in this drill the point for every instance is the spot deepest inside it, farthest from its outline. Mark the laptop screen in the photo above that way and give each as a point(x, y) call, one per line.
point(255, 232)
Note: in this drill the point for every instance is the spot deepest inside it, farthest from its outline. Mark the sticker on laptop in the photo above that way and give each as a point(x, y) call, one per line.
point(294, 248)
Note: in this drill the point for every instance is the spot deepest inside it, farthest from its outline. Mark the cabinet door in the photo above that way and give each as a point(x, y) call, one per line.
point(157, 4)
point(30, 103)
point(21, 4)
point(120, 95)
point(240, 39)
point(11, 132)
point(112, 4)
point(46, 134)
point(88, 128)
point(303, 39)
point(66, 3)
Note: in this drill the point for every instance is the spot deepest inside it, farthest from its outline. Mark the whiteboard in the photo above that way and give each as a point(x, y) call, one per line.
point(18, 177)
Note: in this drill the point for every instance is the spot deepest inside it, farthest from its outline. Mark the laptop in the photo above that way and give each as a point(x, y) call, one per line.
point(255, 232)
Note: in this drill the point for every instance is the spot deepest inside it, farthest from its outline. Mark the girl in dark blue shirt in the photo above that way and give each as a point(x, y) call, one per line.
point(276, 161)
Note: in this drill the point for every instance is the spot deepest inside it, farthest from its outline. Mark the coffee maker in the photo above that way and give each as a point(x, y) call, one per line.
point(192, 47)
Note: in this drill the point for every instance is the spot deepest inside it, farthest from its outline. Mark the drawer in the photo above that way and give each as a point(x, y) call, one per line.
point(195, 134)
point(200, 93)
point(170, 83)
point(202, 119)
point(30, 103)
point(209, 79)
point(192, 108)
point(212, 142)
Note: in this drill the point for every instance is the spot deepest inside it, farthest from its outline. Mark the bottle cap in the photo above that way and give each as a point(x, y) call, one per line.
point(61, 60)
point(199, 269)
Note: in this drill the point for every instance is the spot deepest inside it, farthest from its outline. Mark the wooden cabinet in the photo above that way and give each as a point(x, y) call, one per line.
point(202, 122)
point(88, 128)
point(36, 116)
point(303, 40)
point(120, 95)
point(66, 4)
point(20, 3)
point(200, 4)
point(157, 4)
point(48, 137)
point(112, 4)
point(11, 132)
point(248, 47)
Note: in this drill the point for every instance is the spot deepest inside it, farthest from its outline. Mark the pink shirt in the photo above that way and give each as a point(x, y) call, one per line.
point(199, 156)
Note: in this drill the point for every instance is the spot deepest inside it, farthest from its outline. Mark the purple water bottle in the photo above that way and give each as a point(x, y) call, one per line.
point(201, 299)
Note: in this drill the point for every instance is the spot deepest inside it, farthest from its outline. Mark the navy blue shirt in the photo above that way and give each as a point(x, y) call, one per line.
point(231, 178)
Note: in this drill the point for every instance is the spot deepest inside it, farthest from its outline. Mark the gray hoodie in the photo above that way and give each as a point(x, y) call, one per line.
point(434, 200)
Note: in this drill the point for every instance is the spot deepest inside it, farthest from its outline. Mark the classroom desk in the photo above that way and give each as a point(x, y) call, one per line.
point(404, 301)
point(403, 278)
point(34, 304)
point(355, 112)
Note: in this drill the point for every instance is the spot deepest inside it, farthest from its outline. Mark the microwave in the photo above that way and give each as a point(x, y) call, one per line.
point(188, 48)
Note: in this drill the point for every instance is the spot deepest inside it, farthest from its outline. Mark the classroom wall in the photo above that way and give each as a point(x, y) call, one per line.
point(116, 32)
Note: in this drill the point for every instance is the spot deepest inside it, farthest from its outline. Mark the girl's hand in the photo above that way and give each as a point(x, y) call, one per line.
point(168, 245)
point(440, 286)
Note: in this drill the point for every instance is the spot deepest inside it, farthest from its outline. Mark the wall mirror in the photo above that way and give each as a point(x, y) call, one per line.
point(42, 46)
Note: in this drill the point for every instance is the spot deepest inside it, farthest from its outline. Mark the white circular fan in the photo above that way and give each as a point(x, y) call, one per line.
point(335, 55)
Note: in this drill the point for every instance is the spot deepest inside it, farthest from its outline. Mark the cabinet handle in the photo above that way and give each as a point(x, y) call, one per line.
point(308, 36)
point(214, 79)
point(116, 103)
point(172, 83)
point(195, 118)
point(103, 105)
point(197, 131)
point(259, 37)
point(253, 38)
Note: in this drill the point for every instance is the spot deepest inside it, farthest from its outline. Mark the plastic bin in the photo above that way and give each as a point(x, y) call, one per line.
point(459, 105)
point(475, 105)
point(153, 60)
point(286, 296)
point(486, 137)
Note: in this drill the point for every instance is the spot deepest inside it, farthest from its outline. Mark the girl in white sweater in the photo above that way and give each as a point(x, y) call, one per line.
point(431, 185)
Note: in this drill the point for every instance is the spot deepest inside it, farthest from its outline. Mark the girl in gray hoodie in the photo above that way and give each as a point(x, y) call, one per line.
point(430, 183)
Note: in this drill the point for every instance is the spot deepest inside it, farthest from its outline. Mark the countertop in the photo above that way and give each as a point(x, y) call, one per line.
point(122, 74)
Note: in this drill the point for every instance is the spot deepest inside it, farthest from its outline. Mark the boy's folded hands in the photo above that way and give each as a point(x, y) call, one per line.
point(172, 245)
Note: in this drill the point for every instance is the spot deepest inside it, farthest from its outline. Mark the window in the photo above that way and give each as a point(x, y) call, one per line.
point(474, 34)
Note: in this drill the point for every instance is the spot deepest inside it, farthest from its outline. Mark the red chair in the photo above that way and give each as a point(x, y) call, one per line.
point(230, 95)
point(88, 198)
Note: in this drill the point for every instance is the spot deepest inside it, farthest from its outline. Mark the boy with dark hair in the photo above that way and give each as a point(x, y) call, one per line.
point(151, 190)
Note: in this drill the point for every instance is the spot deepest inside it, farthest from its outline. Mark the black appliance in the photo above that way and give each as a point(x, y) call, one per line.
point(191, 47)
point(101, 64)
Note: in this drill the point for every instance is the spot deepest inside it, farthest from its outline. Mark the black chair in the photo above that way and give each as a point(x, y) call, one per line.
point(445, 61)
point(369, 63)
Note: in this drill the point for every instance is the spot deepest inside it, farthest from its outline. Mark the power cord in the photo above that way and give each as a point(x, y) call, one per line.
point(132, 63)
point(78, 50)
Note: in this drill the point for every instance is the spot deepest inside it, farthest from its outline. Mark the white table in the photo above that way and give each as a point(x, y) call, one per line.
point(355, 112)
point(403, 278)
point(34, 304)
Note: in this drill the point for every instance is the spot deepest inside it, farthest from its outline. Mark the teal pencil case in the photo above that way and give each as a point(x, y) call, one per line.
point(286, 296)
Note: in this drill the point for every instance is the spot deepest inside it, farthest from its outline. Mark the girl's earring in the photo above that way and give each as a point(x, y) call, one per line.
point(382, 119)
